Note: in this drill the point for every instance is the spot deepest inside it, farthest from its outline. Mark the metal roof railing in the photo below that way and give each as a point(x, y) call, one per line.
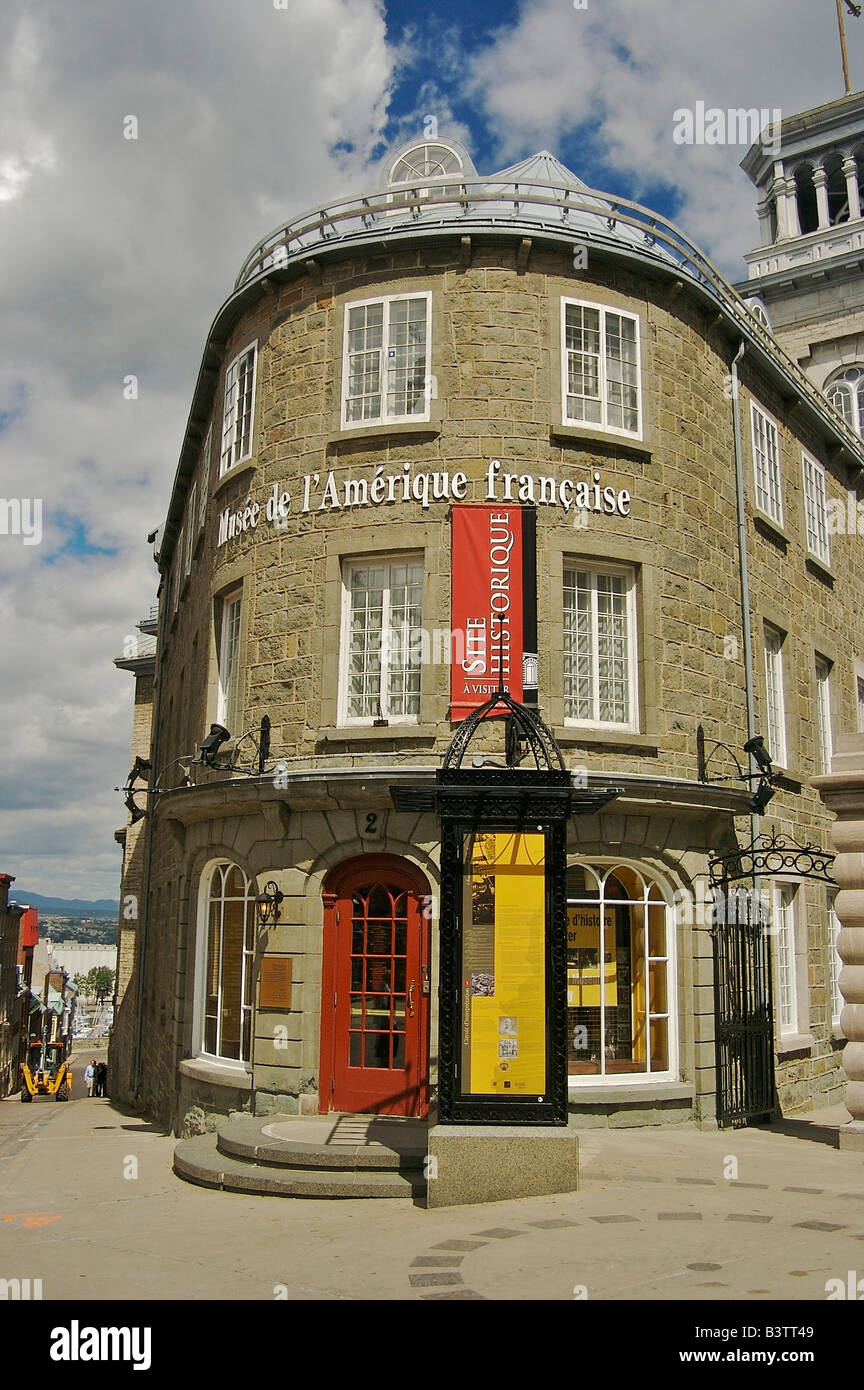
point(494, 204)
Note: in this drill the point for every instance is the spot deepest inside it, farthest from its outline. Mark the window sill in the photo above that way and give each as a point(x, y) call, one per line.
point(217, 1073)
point(375, 430)
point(353, 733)
point(615, 738)
point(793, 1042)
point(236, 472)
point(788, 780)
point(627, 1091)
point(821, 568)
point(770, 528)
point(576, 434)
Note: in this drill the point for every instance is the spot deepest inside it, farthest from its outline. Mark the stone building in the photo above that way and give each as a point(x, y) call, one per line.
point(452, 352)
point(10, 1004)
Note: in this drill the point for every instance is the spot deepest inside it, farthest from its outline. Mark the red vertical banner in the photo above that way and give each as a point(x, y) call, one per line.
point(486, 614)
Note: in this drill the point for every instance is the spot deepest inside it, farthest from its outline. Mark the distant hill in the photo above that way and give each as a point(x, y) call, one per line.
point(73, 907)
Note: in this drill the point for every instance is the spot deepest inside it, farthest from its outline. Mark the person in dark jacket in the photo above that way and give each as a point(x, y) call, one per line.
point(101, 1077)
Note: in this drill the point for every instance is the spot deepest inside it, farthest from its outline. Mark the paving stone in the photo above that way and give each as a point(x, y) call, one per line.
point(736, 1182)
point(459, 1244)
point(698, 1182)
point(679, 1216)
point(499, 1233)
point(442, 1261)
point(747, 1216)
point(706, 1266)
point(622, 1217)
point(811, 1191)
point(463, 1294)
point(420, 1281)
point(553, 1223)
point(820, 1226)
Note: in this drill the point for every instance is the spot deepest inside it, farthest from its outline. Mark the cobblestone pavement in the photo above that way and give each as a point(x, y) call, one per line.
point(89, 1204)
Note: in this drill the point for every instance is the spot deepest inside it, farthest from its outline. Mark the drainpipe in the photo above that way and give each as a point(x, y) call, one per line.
point(148, 852)
point(743, 571)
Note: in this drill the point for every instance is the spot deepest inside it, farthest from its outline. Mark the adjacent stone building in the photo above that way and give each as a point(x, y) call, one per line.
point(455, 350)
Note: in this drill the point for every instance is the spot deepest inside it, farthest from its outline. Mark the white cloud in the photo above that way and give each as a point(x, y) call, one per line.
point(620, 71)
point(117, 254)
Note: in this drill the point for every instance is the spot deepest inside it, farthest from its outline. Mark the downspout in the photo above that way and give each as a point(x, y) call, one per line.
point(148, 853)
point(747, 631)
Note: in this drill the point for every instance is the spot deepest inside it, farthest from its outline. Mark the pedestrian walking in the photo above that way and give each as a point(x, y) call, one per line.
point(101, 1077)
point(90, 1076)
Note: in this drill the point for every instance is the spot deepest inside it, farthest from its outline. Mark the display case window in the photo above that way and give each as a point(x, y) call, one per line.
point(619, 998)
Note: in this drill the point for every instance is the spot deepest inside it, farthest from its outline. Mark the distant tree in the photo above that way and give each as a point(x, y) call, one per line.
point(100, 982)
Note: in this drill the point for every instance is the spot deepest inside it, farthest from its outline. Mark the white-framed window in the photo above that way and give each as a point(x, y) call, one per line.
point(225, 961)
point(191, 527)
point(823, 713)
point(600, 360)
point(816, 509)
point(205, 477)
point(846, 393)
point(385, 369)
point(621, 1014)
point(766, 464)
point(835, 965)
point(228, 684)
point(382, 620)
point(600, 687)
point(775, 707)
point(785, 959)
point(239, 409)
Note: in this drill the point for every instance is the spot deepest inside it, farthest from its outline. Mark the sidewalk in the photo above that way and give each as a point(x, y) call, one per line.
point(89, 1204)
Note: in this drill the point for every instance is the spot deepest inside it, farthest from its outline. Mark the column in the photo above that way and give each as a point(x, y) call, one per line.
point(843, 793)
point(820, 183)
point(850, 173)
point(784, 213)
point(764, 211)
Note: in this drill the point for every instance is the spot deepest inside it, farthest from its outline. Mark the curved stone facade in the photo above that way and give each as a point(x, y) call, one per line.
point(655, 504)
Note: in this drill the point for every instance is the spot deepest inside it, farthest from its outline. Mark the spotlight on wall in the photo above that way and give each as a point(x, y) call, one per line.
point(762, 796)
point(756, 746)
point(212, 743)
point(267, 903)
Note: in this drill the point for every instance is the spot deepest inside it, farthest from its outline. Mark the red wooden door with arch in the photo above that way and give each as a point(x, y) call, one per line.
point(375, 989)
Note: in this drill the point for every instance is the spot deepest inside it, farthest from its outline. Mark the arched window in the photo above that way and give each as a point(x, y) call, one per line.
point(758, 311)
point(423, 170)
point(838, 196)
point(845, 391)
point(620, 1009)
point(230, 951)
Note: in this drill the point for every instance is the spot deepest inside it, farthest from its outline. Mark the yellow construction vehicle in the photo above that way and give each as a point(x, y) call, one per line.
point(45, 1067)
point(46, 1072)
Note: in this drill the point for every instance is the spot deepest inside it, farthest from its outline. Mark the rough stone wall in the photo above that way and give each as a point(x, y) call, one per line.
point(496, 363)
point(10, 1017)
point(122, 1041)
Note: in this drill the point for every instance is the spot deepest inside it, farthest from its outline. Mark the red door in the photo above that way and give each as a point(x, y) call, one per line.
point(374, 1011)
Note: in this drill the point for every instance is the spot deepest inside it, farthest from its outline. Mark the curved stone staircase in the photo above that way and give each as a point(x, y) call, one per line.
point(309, 1156)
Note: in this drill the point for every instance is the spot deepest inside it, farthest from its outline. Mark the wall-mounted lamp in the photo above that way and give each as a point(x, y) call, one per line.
point(755, 748)
point(268, 903)
point(212, 743)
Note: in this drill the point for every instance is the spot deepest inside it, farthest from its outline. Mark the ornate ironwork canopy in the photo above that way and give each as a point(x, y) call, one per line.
point(773, 854)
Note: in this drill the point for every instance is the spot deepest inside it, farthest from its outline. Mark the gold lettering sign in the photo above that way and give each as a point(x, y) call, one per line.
point(275, 991)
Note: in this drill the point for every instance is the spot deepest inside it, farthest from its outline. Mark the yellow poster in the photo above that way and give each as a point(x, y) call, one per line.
point(504, 966)
point(583, 958)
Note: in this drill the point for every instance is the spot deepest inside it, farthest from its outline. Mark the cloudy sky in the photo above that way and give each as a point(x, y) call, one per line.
point(115, 254)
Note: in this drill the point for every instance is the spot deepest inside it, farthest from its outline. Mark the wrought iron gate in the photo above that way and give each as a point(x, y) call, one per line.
point(743, 997)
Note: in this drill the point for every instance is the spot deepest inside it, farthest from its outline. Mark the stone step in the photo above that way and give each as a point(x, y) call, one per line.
point(199, 1161)
point(400, 1149)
